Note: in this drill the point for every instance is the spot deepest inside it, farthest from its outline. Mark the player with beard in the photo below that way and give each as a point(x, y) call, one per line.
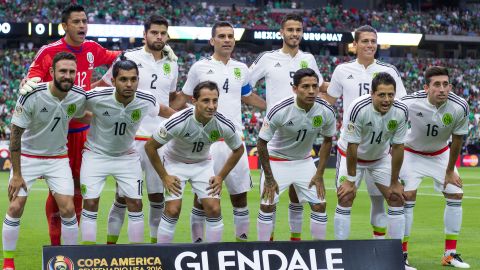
point(38, 148)
point(157, 74)
point(89, 55)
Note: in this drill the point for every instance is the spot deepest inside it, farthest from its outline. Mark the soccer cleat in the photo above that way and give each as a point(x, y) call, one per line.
point(454, 260)
point(199, 240)
point(8, 264)
point(407, 266)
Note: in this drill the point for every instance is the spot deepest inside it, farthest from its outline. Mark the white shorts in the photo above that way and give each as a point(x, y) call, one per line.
point(198, 174)
point(416, 166)
point(238, 180)
point(298, 173)
point(56, 171)
point(379, 171)
point(152, 180)
point(125, 169)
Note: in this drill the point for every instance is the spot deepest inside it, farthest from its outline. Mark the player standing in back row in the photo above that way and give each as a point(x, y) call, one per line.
point(436, 114)
point(278, 68)
point(353, 79)
point(233, 78)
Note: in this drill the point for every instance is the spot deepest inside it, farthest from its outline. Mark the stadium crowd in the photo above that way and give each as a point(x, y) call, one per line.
point(392, 18)
point(465, 73)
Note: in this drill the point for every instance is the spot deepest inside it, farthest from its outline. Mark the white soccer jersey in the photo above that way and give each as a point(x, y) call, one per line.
point(373, 131)
point(113, 126)
point(352, 80)
point(190, 141)
point(278, 69)
point(431, 127)
point(45, 119)
point(290, 130)
point(232, 80)
point(158, 77)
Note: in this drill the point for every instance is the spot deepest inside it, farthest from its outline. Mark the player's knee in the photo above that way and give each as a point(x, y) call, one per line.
point(454, 196)
point(319, 207)
point(410, 195)
point(156, 197)
point(120, 199)
point(347, 200)
point(214, 210)
point(239, 200)
point(15, 208)
point(267, 208)
point(395, 201)
point(172, 211)
point(90, 205)
point(67, 209)
point(134, 205)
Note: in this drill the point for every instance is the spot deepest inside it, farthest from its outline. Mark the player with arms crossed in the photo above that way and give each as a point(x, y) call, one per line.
point(375, 121)
point(353, 79)
point(158, 73)
point(436, 114)
point(109, 150)
point(190, 133)
point(38, 148)
point(233, 77)
point(278, 68)
point(290, 128)
point(89, 55)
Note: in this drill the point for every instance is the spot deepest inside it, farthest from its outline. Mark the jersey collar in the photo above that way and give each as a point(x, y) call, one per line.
point(369, 66)
point(149, 54)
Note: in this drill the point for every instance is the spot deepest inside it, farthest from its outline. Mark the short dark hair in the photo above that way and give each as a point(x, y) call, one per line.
point(362, 29)
point(301, 73)
point(154, 19)
point(206, 84)
point(291, 17)
point(385, 79)
point(69, 9)
point(63, 56)
point(123, 64)
point(220, 24)
point(434, 71)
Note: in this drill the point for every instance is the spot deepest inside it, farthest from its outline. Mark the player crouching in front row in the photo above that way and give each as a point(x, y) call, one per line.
point(290, 128)
point(191, 132)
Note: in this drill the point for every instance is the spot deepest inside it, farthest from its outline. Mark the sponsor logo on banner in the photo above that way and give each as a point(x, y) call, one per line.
point(470, 160)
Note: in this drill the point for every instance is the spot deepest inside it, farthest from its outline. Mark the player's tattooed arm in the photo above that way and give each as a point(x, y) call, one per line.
point(270, 185)
point(15, 147)
point(451, 177)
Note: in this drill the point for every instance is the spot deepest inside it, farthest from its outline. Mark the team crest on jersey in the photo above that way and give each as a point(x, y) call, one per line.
point(392, 125)
point(350, 128)
point(60, 262)
point(303, 64)
point(265, 125)
point(317, 121)
point(167, 68)
point(136, 115)
point(447, 119)
point(162, 132)
point(71, 109)
point(214, 135)
point(237, 73)
point(90, 57)
point(18, 110)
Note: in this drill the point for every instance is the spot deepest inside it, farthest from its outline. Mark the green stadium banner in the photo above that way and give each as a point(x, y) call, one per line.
point(308, 255)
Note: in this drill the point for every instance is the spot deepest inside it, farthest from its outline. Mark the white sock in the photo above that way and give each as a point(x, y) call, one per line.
point(409, 206)
point(264, 225)
point(166, 229)
point(197, 223)
point(70, 230)
point(10, 231)
point(453, 217)
point(156, 210)
point(241, 219)
point(378, 217)
point(342, 222)
point(318, 225)
point(135, 227)
point(396, 222)
point(116, 216)
point(88, 226)
point(214, 229)
point(295, 219)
